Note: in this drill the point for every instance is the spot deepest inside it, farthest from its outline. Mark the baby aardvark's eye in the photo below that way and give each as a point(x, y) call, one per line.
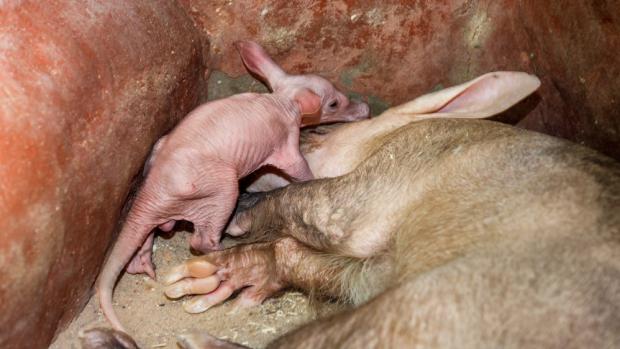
point(333, 104)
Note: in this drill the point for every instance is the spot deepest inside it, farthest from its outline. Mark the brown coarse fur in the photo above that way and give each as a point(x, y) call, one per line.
point(454, 234)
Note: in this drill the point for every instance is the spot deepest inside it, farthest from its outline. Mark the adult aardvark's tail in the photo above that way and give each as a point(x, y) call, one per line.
point(128, 242)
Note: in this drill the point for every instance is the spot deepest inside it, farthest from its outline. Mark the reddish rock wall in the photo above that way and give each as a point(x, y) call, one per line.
point(576, 51)
point(395, 50)
point(85, 89)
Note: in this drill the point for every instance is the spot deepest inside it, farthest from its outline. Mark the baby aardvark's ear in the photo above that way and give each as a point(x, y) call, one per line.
point(308, 101)
point(259, 63)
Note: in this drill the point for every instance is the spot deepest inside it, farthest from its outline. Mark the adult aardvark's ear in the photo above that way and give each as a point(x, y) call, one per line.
point(258, 62)
point(483, 97)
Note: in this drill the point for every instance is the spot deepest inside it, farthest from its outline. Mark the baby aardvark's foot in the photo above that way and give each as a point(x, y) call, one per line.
point(142, 262)
point(214, 277)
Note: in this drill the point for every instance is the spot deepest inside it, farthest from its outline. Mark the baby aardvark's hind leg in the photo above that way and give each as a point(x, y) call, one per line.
point(142, 214)
point(291, 162)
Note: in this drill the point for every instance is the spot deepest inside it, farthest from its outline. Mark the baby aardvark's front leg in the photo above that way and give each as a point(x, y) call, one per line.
point(298, 169)
point(291, 162)
point(212, 212)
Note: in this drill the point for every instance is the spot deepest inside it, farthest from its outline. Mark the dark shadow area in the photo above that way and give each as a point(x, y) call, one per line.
point(519, 111)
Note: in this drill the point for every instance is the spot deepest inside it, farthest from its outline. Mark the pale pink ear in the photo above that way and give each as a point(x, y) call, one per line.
point(258, 62)
point(483, 97)
point(308, 101)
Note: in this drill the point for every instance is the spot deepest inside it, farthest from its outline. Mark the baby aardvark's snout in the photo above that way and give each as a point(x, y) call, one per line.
point(356, 111)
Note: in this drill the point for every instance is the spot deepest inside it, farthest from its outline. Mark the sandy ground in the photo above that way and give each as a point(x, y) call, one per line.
point(154, 321)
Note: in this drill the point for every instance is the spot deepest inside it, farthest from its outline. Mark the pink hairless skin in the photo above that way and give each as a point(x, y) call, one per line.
point(193, 172)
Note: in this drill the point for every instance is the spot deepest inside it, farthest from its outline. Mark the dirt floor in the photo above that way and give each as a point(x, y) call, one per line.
point(155, 321)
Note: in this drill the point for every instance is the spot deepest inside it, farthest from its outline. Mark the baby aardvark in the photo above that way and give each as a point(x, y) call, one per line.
point(193, 172)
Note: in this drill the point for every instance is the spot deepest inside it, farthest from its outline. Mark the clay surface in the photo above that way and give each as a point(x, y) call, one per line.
point(87, 87)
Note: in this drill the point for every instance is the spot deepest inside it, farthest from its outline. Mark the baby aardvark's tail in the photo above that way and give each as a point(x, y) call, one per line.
point(129, 241)
point(105, 286)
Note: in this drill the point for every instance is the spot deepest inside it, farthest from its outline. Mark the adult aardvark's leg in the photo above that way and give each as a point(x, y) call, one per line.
point(335, 215)
point(261, 269)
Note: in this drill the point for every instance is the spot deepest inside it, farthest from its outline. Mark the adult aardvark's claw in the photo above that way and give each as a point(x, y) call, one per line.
point(213, 278)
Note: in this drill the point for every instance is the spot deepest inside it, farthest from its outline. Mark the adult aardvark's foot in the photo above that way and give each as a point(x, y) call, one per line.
point(98, 338)
point(214, 277)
